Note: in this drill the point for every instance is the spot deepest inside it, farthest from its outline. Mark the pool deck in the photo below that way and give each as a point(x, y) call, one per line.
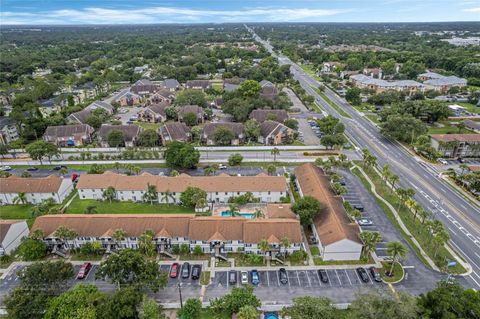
point(247, 209)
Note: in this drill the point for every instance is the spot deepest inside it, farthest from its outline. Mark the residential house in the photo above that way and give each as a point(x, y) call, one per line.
point(89, 90)
point(36, 189)
point(130, 134)
point(217, 103)
point(268, 90)
point(332, 66)
point(162, 96)
point(237, 128)
point(82, 116)
point(215, 235)
point(12, 233)
point(170, 84)
point(409, 87)
point(219, 188)
point(456, 145)
point(338, 237)
point(198, 85)
point(182, 110)
point(261, 115)
point(429, 76)
point(472, 125)
point(126, 98)
point(141, 69)
point(69, 135)
point(153, 113)
point(143, 87)
point(174, 131)
point(8, 130)
point(274, 133)
point(230, 87)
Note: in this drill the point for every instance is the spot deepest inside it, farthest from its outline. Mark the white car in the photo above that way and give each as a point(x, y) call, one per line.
point(444, 162)
point(365, 222)
point(222, 166)
point(244, 277)
point(5, 168)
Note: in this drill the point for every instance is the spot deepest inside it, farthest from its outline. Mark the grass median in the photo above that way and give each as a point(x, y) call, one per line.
point(414, 225)
point(332, 104)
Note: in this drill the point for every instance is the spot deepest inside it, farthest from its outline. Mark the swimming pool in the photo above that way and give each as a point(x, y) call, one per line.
point(271, 315)
point(229, 214)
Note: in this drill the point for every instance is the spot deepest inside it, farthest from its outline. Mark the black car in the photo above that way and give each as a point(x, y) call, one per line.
point(232, 277)
point(359, 207)
point(32, 169)
point(196, 271)
point(362, 273)
point(185, 270)
point(375, 274)
point(57, 168)
point(322, 273)
point(282, 274)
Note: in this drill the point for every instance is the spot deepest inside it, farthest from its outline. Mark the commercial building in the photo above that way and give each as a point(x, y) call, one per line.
point(338, 237)
point(219, 188)
point(35, 189)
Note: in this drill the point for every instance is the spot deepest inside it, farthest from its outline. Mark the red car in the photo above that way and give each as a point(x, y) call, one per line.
point(84, 270)
point(174, 270)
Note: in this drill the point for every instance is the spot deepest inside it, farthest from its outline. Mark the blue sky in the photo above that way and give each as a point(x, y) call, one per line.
point(200, 11)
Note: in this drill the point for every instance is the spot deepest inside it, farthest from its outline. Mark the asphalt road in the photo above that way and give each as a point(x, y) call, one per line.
point(461, 218)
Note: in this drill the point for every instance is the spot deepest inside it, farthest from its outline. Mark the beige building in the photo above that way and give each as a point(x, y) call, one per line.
point(456, 145)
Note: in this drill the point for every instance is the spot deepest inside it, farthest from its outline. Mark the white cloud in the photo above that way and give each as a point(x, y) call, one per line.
point(472, 9)
point(163, 15)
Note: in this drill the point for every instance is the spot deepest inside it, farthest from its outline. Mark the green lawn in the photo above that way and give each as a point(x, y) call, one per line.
point(397, 272)
point(86, 167)
point(415, 226)
point(447, 128)
point(308, 68)
point(78, 207)
point(314, 251)
point(373, 118)
point(17, 212)
point(149, 126)
point(470, 107)
point(207, 314)
point(332, 104)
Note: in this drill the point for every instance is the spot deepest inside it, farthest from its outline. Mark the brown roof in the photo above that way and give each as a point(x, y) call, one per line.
point(262, 115)
point(198, 83)
point(177, 131)
point(190, 109)
point(456, 137)
point(16, 184)
point(333, 223)
point(130, 132)
point(209, 128)
point(159, 108)
point(68, 130)
point(224, 183)
point(280, 211)
point(5, 226)
point(272, 128)
point(254, 230)
point(216, 228)
point(98, 225)
point(474, 168)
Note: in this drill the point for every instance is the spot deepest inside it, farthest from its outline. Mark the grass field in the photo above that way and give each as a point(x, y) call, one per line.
point(149, 126)
point(447, 128)
point(17, 212)
point(308, 68)
point(78, 207)
point(397, 272)
point(414, 225)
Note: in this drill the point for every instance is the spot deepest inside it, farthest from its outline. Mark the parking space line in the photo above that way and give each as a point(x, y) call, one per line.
point(338, 277)
point(359, 280)
point(90, 272)
point(268, 279)
point(288, 279)
point(308, 278)
point(298, 279)
point(278, 278)
point(318, 276)
point(370, 276)
point(346, 273)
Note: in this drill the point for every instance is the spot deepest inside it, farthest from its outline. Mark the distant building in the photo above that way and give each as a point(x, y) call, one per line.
point(456, 145)
point(12, 233)
point(8, 130)
point(170, 84)
point(198, 85)
point(82, 116)
point(378, 85)
point(268, 90)
point(143, 87)
point(69, 135)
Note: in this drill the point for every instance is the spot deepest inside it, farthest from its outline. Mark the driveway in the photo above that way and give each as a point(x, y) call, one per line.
point(125, 113)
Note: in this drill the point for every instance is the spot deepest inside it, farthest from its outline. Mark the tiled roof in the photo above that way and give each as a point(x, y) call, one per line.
point(271, 127)
point(456, 137)
point(190, 109)
point(254, 230)
point(130, 132)
point(176, 131)
point(280, 211)
point(332, 223)
point(158, 108)
point(446, 80)
point(16, 184)
point(68, 130)
point(367, 80)
point(209, 129)
point(223, 183)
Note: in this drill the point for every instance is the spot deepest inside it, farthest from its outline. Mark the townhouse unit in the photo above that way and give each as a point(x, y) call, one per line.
point(174, 131)
point(209, 129)
point(219, 188)
point(153, 113)
point(12, 232)
point(143, 87)
point(8, 130)
point(274, 133)
point(130, 134)
point(162, 96)
point(170, 84)
point(456, 145)
point(35, 189)
point(195, 109)
point(268, 90)
point(69, 135)
point(198, 85)
point(338, 237)
point(215, 235)
point(126, 98)
point(83, 115)
point(409, 87)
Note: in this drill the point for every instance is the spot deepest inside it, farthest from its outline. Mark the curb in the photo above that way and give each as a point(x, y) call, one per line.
point(399, 280)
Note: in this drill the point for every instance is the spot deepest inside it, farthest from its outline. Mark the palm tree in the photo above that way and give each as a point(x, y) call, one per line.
point(416, 207)
point(174, 173)
point(355, 214)
point(136, 170)
point(37, 234)
point(424, 214)
point(402, 193)
point(109, 194)
point(410, 203)
point(151, 194)
point(397, 250)
point(440, 239)
point(145, 242)
point(285, 242)
point(119, 235)
point(65, 233)
point(258, 213)
point(342, 158)
point(234, 209)
point(271, 169)
point(20, 198)
point(63, 171)
point(370, 241)
point(464, 168)
point(386, 172)
point(264, 246)
point(208, 171)
point(167, 195)
point(394, 178)
point(275, 151)
point(91, 209)
point(201, 203)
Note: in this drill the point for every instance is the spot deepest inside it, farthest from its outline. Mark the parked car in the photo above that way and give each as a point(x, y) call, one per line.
point(282, 275)
point(375, 274)
point(84, 270)
point(232, 277)
point(362, 273)
point(359, 207)
point(74, 177)
point(196, 271)
point(364, 222)
point(222, 166)
point(254, 277)
point(5, 168)
point(244, 277)
point(59, 167)
point(322, 273)
point(174, 270)
point(443, 161)
point(32, 169)
point(185, 270)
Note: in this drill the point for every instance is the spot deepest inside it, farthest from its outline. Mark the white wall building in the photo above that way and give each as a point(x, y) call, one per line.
point(12, 232)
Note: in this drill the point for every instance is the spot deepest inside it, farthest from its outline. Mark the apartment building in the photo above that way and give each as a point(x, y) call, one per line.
point(456, 145)
point(378, 85)
point(12, 232)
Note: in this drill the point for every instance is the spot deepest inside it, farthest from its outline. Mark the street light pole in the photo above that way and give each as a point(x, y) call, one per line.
point(180, 294)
